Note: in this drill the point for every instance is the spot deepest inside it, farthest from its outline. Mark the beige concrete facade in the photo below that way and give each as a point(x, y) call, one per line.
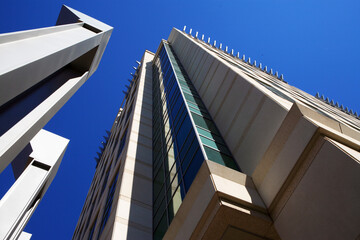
point(301, 154)
point(131, 211)
point(299, 158)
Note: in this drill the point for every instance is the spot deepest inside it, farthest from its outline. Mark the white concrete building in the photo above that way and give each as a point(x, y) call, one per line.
point(39, 71)
point(211, 146)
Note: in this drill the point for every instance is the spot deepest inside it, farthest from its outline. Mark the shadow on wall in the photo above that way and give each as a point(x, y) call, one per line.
point(140, 214)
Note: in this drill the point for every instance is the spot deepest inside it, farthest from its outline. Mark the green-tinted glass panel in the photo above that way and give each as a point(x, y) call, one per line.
point(189, 97)
point(208, 134)
point(158, 181)
point(216, 145)
point(220, 158)
point(194, 110)
point(204, 123)
point(161, 228)
point(159, 211)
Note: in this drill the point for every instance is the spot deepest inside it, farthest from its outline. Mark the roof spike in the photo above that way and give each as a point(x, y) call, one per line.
point(265, 69)
point(327, 100)
point(317, 95)
point(196, 34)
point(277, 74)
point(249, 61)
point(337, 104)
point(332, 102)
point(355, 113)
point(226, 49)
point(346, 110)
point(214, 43)
point(351, 112)
point(137, 62)
point(243, 57)
point(342, 107)
point(322, 97)
point(254, 63)
point(238, 55)
point(184, 28)
point(208, 40)
point(134, 68)
point(282, 77)
point(260, 65)
point(190, 31)
point(220, 47)
point(271, 71)
point(232, 52)
point(202, 37)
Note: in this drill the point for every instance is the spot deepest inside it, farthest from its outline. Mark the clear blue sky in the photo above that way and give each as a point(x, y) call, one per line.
point(315, 44)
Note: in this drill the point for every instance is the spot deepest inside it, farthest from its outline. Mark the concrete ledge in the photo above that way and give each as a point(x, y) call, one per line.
point(221, 198)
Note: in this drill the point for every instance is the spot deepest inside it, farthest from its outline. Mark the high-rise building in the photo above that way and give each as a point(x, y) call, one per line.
point(39, 71)
point(209, 145)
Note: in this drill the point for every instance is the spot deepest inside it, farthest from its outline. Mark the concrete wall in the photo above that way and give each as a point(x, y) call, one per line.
point(67, 53)
point(19, 203)
point(134, 209)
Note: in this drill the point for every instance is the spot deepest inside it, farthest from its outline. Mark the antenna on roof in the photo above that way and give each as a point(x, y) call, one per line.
point(282, 77)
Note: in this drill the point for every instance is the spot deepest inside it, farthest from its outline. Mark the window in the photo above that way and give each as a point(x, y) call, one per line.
point(108, 204)
point(122, 144)
point(92, 229)
point(105, 181)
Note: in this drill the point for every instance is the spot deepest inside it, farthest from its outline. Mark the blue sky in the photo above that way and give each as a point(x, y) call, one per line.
point(315, 44)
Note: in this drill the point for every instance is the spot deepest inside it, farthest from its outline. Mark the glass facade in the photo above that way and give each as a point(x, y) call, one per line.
point(183, 136)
